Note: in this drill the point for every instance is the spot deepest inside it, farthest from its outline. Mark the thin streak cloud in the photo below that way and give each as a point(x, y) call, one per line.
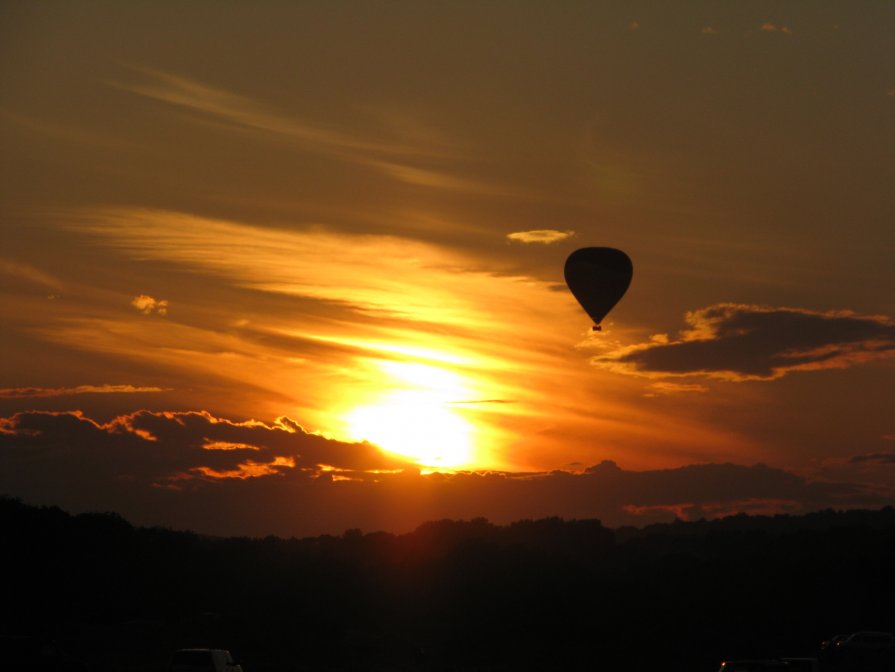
point(881, 459)
point(540, 236)
point(32, 392)
point(369, 274)
point(29, 273)
point(666, 387)
point(403, 159)
point(244, 112)
point(440, 179)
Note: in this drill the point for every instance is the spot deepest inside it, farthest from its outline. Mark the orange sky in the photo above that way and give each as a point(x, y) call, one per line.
point(355, 217)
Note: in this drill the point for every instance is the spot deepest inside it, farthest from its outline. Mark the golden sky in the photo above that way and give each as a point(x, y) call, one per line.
point(343, 224)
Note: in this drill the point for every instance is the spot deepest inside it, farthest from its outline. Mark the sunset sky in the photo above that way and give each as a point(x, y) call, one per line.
point(295, 268)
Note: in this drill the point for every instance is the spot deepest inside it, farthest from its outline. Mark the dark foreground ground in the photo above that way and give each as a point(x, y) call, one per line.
point(92, 592)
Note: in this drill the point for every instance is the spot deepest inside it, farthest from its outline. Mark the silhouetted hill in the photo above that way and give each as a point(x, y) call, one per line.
point(451, 595)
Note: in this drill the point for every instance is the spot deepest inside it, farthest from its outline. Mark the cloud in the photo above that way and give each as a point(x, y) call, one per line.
point(243, 113)
point(362, 300)
point(377, 275)
point(28, 392)
point(665, 387)
point(440, 179)
point(163, 448)
point(228, 445)
point(147, 305)
point(220, 476)
point(769, 27)
point(875, 458)
point(28, 273)
point(738, 342)
point(542, 236)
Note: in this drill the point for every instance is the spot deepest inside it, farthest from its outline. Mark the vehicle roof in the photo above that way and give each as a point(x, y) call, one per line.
point(752, 660)
point(201, 649)
point(756, 662)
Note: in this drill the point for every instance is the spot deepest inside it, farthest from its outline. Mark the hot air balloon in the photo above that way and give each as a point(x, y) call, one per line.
point(598, 277)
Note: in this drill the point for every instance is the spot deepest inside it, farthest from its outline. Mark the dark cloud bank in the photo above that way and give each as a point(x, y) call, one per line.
point(193, 470)
point(747, 342)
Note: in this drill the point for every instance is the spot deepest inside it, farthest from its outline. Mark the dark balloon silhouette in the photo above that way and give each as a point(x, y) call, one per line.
point(598, 277)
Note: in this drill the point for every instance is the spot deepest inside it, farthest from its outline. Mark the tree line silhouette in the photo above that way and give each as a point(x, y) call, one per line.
point(93, 592)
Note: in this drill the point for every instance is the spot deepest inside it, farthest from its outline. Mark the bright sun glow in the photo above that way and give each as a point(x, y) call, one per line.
point(412, 425)
point(417, 420)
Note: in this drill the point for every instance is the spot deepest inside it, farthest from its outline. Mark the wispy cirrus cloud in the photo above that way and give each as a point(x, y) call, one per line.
point(370, 274)
point(31, 392)
point(739, 342)
point(244, 112)
point(29, 273)
point(418, 160)
point(540, 236)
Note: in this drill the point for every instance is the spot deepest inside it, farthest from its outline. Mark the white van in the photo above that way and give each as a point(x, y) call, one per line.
point(203, 660)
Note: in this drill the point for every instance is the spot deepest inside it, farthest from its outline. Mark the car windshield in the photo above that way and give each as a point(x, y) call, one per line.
point(873, 638)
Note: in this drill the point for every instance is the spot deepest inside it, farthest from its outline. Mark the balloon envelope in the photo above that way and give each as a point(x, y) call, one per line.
point(598, 277)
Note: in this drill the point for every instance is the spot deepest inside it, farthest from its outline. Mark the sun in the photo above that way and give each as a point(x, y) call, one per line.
point(416, 425)
point(416, 415)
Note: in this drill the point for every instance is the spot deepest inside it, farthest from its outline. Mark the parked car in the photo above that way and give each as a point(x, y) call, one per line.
point(203, 660)
point(754, 665)
point(861, 651)
point(867, 639)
